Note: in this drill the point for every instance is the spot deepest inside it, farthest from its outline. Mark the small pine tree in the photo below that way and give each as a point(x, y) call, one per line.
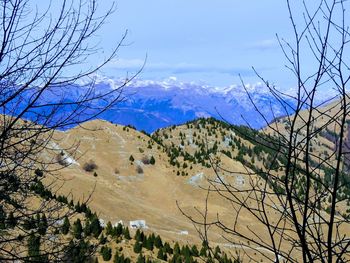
point(11, 220)
point(176, 249)
point(137, 247)
point(195, 251)
point(109, 228)
point(95, 226)
point(126, 233)
point(162, 255)
point(66, 226)
point(152, 160)
point(158, 242)
point(42, 225)
point(149, 243)
point(119, 230)
point(33, 246)
point(77, 229)
point(131, 158)
point(103, 239)
point(106, 253)
point(141, 259)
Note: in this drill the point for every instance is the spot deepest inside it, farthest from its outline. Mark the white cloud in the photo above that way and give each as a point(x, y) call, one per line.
point(176, 68)
point(264, 44)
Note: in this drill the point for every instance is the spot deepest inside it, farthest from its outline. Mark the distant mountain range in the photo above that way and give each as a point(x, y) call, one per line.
point(150, 105)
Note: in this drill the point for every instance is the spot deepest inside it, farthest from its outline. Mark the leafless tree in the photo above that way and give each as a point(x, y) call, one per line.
point(298, 194)
point(43, 55)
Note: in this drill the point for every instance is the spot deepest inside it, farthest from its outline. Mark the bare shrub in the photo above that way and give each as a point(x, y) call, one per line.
point(90, 166)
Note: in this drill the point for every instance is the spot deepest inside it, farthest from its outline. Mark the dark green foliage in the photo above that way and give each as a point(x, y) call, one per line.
point(152, 160)
point(167, 248)
point(79, 252)
point(38, 172)
point(77, 229)
point(126, 233)
point(121, 259)
point(162, 254)
point(141, 259)
point(11, 221)
point(66, 226)
point(119, 231)
point(158, 242)
point(148, 243)
point(33, 247)
point(92, 226)
point(106, 253)
point(29, 223)
point(109, 228)
point(131, 158)
point(39, 189)
point(137, 247)
point(194, 251)
point(42, 225)
point(2, 218)
point(103, 239)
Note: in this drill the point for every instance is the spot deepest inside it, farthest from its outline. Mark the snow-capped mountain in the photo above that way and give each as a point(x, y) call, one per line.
point(150, 105)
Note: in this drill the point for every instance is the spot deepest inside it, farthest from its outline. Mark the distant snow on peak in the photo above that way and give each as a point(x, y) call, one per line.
point(154, 104)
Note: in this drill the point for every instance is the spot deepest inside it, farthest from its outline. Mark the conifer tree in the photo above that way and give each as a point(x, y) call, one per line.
point(137, 247)
point(158, 242)
point(66, 226)
point(119, 230)
point(109, 228)
point(77, 229)
point(126, 233)
point(42, 225)
point(106, 253)
point(141, 259)
point(33, 247)
point(11, 220)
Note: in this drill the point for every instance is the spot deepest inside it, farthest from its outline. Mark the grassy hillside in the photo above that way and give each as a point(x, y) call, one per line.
point(128, 175)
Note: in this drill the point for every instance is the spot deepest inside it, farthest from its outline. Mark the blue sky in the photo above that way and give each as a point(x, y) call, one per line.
point(199, 40)
point(203, 41)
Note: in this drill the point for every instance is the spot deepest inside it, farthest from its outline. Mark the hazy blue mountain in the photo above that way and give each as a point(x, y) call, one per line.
point(150, 105)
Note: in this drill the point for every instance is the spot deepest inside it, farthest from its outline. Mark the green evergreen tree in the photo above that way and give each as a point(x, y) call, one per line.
point(195, 251)
point(162, 255)
point(66, 226)
point(95, 226)
point(109, 228)
point(102, 239)
point(137, 247)
point(77, 229)
point(141, 259)
point(126, 233)
point(176, 249)
point(149, 243)
point(11, 220)
point(33, 247)
point(119, 229)
point(158, 242)
point(106, 253)
point(87, 228)
point(42, 225)
point(131, 158)
point(152, 160)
